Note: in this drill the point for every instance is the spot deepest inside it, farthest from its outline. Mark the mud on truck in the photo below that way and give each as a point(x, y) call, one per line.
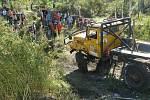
point(110, 43)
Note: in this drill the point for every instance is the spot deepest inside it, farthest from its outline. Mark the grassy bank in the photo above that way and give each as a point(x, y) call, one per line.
point(27, 72)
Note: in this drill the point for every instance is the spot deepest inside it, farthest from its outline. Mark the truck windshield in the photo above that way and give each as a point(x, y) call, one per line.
point(93, 34)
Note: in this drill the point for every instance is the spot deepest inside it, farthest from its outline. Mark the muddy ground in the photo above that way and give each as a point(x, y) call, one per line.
point(92, 86)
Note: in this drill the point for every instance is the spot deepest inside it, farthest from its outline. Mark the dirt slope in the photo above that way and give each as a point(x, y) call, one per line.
point(92, 86)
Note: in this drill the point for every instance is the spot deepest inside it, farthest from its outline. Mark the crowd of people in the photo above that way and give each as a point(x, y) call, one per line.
point(51, 21)
point(55, 20)
point(14, 17)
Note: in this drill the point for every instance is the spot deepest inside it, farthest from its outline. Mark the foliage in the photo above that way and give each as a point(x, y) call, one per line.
point(92, 8)
point(142, 29)
point(87, 9)
point(26, 71)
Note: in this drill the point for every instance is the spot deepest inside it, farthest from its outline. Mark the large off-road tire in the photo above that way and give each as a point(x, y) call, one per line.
point(103, 67)
point(136, 76)
point(82, 62)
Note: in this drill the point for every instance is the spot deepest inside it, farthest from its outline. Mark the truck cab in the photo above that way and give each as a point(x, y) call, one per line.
point(96, 41)
point(89, 40)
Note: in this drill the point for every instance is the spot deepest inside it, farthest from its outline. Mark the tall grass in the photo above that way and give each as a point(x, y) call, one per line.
point(26, 72)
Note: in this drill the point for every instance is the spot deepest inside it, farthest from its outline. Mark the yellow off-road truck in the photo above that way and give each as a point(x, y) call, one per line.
point(108, 43)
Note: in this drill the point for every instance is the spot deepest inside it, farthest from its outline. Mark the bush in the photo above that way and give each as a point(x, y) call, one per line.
point(142, 30)
point(26, 72)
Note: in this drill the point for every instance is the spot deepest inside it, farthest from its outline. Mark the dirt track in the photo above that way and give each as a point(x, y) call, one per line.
point(92, 86)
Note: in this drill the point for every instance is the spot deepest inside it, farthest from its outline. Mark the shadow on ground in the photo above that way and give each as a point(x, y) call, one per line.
point(93, 86)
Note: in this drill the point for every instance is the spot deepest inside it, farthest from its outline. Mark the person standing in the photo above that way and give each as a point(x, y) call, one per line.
point(15, 23)
point(69, 21)
point(10, 14)
point(57, 22)
point(59, 25)
point(34, 33)
point(65, 18)
point(4, 13)
point(48, 21)
point(48, 17)
point(74, 20)
point(23, 17)
point(44, 11)
point(52, 32)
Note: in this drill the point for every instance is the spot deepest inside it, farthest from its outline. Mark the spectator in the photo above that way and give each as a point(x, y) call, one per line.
point(74, 20)
point(4, 13)
point(65, 18)
point(69, 22)
point(52, 30)
point(44, 13)
point(34, 33)
point(48, 17)
point(15, 24)
point(10, 15)
point(22, 18)
point(57, 23)
point(81, 23)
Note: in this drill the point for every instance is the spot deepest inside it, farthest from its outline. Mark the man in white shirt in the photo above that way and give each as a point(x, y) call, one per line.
point(4, 13)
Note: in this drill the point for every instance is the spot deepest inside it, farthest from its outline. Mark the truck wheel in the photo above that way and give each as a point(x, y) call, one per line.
point(82, 62)
point(136, 76)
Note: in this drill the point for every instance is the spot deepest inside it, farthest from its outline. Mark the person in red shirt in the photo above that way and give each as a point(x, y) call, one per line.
point(57, 22)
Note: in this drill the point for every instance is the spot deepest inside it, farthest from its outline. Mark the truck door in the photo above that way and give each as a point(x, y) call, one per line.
point(93, 42)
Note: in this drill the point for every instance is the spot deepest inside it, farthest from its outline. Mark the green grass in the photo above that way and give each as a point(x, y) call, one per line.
point(27, 72)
